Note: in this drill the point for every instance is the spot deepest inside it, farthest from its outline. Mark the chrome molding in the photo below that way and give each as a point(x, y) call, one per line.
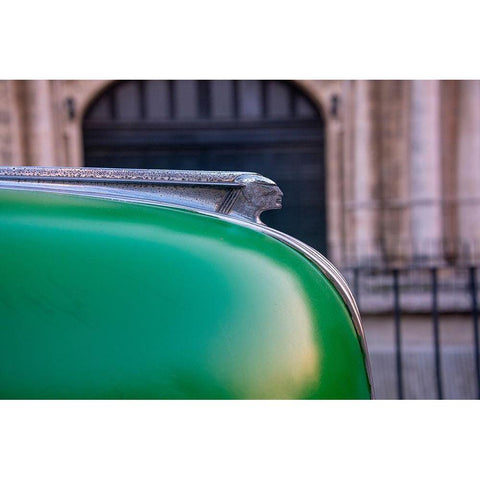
point(237, 197)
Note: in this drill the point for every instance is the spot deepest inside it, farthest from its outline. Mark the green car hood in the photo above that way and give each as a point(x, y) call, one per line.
point(105, 299)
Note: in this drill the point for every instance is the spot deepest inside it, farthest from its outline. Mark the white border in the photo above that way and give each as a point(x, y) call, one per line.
point(346, 39)
point(239, 440)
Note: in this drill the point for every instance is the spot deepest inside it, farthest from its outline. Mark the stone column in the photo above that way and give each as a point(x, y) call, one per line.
point(365, 172)
point(449, 114)
point(11, 151)
point(394, 170)
point(37, 123)
point(334, 192)
point(468, 172)
point(347, 174)
point(425, 169)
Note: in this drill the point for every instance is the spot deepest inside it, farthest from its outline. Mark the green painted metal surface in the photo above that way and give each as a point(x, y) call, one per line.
point(103, 299)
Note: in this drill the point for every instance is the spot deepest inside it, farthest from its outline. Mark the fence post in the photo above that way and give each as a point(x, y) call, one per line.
point(398, 339)
point(356, 285)
point(436, 332)
point(473, 293)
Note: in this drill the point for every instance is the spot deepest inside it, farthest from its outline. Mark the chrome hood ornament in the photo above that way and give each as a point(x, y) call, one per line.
point(243, 195)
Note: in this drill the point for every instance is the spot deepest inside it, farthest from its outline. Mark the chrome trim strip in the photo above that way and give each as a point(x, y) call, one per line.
point(139, 196)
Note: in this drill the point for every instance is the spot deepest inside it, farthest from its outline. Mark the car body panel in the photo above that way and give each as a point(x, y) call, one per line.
point(108, 299)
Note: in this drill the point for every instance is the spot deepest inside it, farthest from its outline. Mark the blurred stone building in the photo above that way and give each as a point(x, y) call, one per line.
point(373, 171)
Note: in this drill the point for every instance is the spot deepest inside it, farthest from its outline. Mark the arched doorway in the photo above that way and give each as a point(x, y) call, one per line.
point(265, 126)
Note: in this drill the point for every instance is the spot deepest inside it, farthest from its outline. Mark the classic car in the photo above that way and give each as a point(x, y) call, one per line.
point(156, 284)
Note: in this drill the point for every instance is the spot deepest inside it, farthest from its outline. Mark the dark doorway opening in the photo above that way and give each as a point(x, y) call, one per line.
point(265, 126)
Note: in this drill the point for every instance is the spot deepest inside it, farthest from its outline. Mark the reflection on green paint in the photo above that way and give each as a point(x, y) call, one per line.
point(102, 299)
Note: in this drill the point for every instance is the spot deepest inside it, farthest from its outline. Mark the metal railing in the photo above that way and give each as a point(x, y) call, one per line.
point(426, 296)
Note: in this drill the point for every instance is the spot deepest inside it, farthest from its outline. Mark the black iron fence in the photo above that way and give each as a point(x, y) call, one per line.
point(422, 329)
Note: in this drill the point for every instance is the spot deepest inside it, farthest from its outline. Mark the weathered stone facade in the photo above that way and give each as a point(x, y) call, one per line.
point(402, 159)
